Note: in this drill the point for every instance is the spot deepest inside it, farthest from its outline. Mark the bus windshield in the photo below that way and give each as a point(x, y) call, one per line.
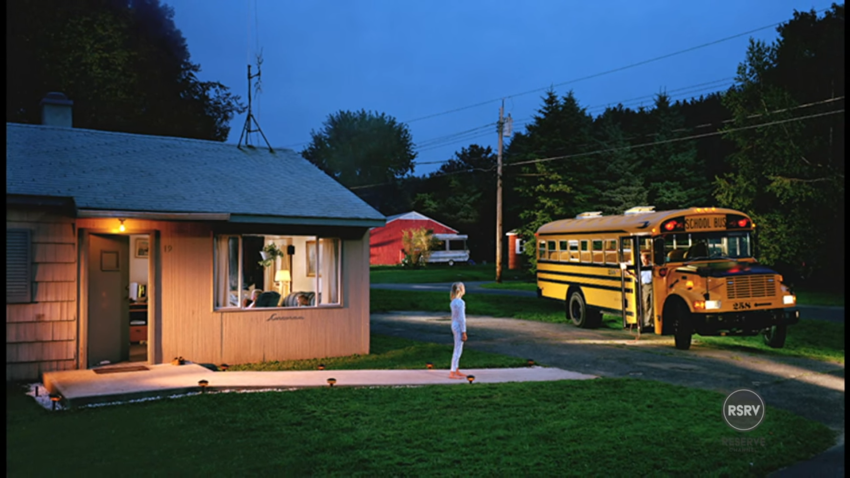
point(685, 247)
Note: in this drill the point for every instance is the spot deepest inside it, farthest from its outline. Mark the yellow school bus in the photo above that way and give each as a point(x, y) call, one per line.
point(704, 278)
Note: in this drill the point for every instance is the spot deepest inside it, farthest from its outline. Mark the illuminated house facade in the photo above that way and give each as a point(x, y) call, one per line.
point(124, 247)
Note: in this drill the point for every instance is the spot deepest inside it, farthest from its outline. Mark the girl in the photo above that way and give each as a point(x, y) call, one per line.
point(458, 307)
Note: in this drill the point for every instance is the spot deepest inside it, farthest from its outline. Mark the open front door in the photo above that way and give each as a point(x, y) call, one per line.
point(630, 287)
point(108, 299)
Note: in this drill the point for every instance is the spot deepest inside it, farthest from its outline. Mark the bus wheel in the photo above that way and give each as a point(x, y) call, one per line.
point(579, 313)
point(775, 336)
point(682, 326)
point(451, 262)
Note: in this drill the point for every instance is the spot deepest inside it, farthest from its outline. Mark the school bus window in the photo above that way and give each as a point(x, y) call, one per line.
point(563, 253)
point(585, 251)
point(611, 251)
point(625, 250)
point(541, 250)
point(598, 256)
point(574, 251)
point(553, 251)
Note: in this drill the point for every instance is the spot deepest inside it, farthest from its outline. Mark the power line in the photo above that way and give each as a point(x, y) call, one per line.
point(606, 72)
point(438, 142)
point(675, 140)
point(653, 143)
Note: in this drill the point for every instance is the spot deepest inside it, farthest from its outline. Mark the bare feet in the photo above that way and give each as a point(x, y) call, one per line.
point(460, 375)
point(456, 375)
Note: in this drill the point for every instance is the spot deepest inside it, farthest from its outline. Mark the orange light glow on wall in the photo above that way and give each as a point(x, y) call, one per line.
point(121, 227)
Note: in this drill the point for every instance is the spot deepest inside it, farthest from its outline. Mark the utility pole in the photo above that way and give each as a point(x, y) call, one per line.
point(499, 195)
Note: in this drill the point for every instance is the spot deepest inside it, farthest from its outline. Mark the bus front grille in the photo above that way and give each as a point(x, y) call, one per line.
point(748, 287)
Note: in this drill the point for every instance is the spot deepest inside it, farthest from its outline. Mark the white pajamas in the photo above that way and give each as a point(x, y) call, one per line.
point(458, 307)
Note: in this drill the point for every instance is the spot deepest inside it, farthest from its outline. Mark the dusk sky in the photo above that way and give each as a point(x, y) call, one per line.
point(416, 59)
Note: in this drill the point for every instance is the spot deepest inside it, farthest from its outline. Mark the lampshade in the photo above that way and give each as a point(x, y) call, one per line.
point(282, 276)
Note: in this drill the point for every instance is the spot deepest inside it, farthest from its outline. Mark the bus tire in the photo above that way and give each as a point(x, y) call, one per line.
point(579, 313)
point(682, 327)
point(774, 336)
point(451, 262)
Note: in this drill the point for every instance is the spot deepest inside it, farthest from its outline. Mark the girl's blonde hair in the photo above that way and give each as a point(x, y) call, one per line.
point(458, 289)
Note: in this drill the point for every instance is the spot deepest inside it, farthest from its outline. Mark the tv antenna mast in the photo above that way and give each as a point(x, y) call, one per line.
point(249, 119)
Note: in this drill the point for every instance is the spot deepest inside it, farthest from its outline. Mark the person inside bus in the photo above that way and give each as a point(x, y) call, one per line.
point(698, 249)
point(645, 286)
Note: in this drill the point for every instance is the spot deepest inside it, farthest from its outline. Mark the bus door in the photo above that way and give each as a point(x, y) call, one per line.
point(629, 286)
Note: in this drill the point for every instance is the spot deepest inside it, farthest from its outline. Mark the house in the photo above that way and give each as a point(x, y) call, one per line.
point(88, 213)
point(386, 246)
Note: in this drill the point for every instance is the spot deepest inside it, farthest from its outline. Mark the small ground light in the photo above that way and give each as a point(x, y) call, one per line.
point(203, 384)
point(224, 367)
point(429, 365)
point(471, 378)
point(530, 362)
point(321, 366)
point(54, 398)
point(331, 381)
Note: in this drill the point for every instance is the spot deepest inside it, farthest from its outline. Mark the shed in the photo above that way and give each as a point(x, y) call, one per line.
point(386, 241)
point(196, 227)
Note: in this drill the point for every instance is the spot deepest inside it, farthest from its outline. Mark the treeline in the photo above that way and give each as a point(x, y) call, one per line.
point(772, 146)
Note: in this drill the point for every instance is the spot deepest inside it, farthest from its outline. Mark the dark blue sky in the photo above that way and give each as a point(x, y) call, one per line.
point(415, 59)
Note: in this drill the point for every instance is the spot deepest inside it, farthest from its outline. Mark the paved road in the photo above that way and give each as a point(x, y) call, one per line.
point(831, 314)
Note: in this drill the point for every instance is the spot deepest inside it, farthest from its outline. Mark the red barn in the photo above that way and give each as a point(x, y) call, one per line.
point(386, 247)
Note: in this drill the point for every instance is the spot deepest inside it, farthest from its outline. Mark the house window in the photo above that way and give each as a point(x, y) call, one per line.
point(259, 271)
point(18, 266)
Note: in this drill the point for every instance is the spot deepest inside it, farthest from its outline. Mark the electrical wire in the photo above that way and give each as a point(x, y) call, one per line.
point(606, 72)
point(654, 143)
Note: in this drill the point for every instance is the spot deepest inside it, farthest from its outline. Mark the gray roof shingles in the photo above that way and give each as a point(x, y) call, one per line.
point(130, 172)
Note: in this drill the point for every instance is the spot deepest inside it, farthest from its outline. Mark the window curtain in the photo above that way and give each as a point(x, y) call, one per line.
point(224, 280)
point(329, 271)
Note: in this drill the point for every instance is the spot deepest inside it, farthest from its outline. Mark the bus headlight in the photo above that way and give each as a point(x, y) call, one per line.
point(712, 304)
point(789, 300)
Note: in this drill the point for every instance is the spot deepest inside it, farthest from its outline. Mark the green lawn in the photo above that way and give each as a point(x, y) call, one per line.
point(564, 428)
point(819, 340)
point(391, 353)
point(440, 273)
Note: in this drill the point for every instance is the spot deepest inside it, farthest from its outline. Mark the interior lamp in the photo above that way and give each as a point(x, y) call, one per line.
point(282, 276)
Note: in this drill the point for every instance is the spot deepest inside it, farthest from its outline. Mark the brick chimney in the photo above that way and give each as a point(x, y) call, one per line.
point(56, 110)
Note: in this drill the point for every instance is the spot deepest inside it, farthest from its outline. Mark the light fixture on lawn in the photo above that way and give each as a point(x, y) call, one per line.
point(530, 362)
point(429, 365)
point(54, 397)
point(471, 378)
point(223, 367)
point(203, 384)
point(331, 381)
point(121, 227)
point(321, 366)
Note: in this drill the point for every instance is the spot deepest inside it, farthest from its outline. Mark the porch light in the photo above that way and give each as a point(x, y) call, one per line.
point(54, 397)
point(471, 378)
point(429, 365)
point(331, 381)
point(121, 227)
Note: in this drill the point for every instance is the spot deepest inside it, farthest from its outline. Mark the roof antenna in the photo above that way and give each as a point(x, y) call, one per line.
point(247, 129)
